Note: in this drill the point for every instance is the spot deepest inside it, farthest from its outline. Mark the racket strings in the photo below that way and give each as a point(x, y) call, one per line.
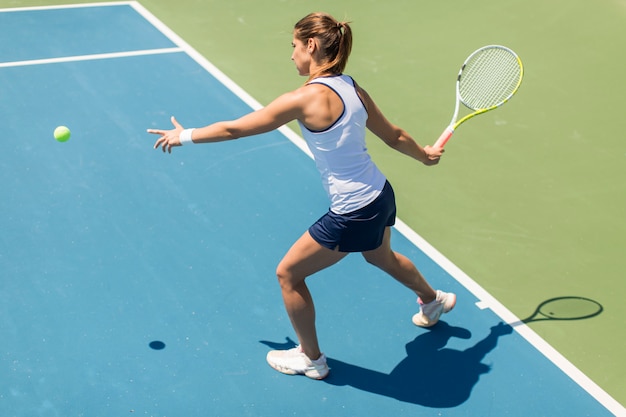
point(489, 78)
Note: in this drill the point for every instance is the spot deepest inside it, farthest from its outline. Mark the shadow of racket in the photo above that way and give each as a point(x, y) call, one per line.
point(563, 308)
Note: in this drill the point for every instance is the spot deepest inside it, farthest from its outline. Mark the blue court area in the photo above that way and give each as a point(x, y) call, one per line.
point(108, 245)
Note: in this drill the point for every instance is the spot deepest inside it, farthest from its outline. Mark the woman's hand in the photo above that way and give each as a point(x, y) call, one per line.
point(433, 155)
point(169, 138)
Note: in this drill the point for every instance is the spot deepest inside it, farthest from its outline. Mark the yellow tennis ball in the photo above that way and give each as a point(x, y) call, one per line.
point(62, 134)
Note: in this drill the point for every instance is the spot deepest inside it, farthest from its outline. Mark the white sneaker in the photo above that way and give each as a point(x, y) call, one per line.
point(295, 362)
point(429, 313)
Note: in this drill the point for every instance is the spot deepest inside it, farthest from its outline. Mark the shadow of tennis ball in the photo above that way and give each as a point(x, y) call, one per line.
point(157, 345)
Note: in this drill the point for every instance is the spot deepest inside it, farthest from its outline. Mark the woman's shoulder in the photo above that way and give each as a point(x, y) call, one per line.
point(310, 91)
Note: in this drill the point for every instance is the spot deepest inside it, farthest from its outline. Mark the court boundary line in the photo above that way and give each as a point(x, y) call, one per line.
point(486, 300)
point(66, 6)
point(77, 58)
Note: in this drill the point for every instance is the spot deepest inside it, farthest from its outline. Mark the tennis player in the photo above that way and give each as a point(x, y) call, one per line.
point(333, 112)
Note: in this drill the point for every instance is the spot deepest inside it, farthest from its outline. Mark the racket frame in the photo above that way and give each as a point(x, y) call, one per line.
point(454, 124)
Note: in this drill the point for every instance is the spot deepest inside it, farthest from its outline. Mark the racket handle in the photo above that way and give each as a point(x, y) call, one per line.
point(443, 139)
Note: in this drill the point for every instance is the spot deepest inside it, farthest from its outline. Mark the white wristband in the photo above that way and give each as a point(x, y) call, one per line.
point(185, 136)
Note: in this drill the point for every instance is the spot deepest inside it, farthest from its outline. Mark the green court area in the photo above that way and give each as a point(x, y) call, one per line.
point(529, 200)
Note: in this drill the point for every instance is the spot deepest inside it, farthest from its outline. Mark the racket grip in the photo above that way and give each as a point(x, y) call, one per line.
point(443, 139)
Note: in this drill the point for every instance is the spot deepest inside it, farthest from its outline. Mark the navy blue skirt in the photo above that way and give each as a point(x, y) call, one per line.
point(359, 231)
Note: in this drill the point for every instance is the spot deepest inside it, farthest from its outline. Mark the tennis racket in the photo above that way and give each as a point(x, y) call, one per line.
point(488, 78)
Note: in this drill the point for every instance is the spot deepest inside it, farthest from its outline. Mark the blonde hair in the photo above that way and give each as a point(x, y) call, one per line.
point(334, 39)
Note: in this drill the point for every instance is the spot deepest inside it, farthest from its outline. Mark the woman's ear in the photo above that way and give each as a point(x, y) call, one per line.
point(311, 45)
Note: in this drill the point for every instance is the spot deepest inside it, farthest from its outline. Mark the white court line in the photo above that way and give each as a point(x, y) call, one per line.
point(91, 57)
point(486, 299)
point(65, 6)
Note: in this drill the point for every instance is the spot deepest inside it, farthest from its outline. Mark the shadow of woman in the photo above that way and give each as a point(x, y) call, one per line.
point(431, 375)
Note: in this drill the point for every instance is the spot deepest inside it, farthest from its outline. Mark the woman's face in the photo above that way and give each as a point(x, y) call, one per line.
point(301, 56)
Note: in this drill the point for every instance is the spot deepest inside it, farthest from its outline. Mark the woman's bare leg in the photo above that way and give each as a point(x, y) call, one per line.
point(304, 258)
point(400, 268)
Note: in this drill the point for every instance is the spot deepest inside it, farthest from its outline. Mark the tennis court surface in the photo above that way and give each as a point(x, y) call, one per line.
point(138, 283)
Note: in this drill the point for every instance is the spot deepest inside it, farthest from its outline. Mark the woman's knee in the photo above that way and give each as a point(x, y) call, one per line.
point(285, 276)
point(282, 273)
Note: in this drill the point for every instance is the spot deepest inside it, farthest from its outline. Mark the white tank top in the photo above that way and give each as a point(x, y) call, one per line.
point(350, 177)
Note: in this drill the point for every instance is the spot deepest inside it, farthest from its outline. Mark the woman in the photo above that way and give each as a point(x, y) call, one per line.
point(333, 112)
